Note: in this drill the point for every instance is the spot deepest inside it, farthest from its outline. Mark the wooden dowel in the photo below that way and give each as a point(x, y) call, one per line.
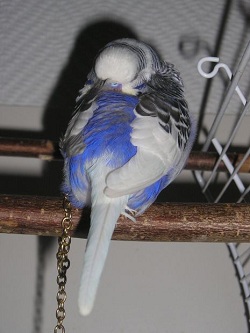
point(192, 222)
point(43, 149)
point(205, 161)
point(49, 150)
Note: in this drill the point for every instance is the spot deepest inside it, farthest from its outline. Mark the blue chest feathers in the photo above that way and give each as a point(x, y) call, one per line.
point(107, 133)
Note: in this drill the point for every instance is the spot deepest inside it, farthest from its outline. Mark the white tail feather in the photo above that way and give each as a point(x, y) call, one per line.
point(104, 215)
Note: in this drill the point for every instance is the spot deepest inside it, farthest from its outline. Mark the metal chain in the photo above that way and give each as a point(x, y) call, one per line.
point(63, 264)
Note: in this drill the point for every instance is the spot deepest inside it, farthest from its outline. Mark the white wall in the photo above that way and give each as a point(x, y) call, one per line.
point(146, 287)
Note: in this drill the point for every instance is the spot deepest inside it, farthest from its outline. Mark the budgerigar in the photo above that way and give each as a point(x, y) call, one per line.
point(129, 137)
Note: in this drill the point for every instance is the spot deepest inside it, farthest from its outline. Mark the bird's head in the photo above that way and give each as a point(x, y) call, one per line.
point(126, 65)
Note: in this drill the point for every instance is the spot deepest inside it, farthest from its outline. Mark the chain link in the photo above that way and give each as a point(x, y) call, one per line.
point(63, 264)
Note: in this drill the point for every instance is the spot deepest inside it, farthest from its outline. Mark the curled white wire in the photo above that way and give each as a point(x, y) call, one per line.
point(215, 71)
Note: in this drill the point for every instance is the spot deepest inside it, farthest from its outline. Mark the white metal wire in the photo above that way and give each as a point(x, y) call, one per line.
point(240, 253)
point(233, 86)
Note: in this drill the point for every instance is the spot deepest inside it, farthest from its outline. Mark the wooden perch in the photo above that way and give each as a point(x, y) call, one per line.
point(49, 150)
point(192, 222)
point(43, 149)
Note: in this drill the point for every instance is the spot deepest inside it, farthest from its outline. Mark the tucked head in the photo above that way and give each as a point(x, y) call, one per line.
point(126, 62)
point(117, 64)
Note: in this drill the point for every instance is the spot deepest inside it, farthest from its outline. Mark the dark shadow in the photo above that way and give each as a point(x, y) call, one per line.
point(73, 76)
point(242, 293)
point(191, 44)
point(181, 192)
point(83, 226)
point(47, 185)
point(22, 134)
point(44, 246)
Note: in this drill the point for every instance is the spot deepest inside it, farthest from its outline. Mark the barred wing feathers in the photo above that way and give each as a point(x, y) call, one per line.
point(161, 133)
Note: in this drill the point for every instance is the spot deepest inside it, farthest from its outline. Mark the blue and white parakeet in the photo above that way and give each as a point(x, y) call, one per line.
point(129, 137)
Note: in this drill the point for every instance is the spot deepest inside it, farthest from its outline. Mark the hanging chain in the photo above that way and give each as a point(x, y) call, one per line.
point(63, 264)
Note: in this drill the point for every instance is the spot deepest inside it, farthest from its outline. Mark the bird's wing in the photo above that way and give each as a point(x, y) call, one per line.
point(156, 152)
point(72, 142)
point(160, 132)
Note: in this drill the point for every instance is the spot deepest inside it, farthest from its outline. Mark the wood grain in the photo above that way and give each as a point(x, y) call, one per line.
point(179, 222)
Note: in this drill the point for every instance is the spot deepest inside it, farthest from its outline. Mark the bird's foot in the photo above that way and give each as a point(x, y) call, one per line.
point(130, 213)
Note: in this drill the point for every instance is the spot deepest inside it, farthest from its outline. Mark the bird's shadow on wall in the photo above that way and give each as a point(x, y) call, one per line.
point(61, 102)
point(72, 78)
